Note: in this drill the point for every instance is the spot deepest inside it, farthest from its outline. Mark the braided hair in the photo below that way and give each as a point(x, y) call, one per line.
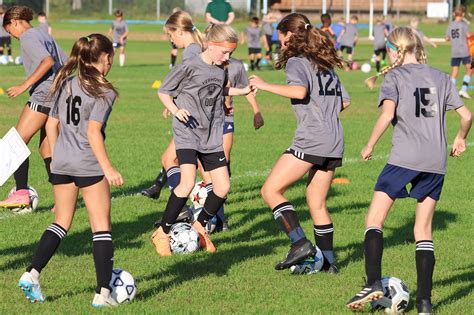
point(403, 40)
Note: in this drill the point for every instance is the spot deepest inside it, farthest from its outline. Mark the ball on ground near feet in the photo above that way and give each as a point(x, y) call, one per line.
point(123, 286)
point(18, 60)
point(310, 265)
point(3, 60)
point(366, 68)
point(184, 239)
point(34, 201)
point(396, 296)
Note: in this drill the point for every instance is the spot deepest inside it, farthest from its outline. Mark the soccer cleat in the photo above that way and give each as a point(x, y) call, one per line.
point(152, 192)
point(424, 307)
point(31, 288)
point(161, 240)
point(331, 269)
point(368, 294)
point(185, 215)
point(18, 199)
point(464, 94)
point(204, 239)
point(296, 254)
point(103, 299)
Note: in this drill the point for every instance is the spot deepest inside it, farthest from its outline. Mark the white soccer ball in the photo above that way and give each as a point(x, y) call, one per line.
point(366, 68)
point(310, 265)
point(184, 239)
point(198, 195)
point(3, 60)
point(18, 60)
point(396, 296)
point(123, 286)
point(34, 201)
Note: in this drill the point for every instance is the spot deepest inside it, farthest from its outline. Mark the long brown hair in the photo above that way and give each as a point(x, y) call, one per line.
point(405, 40)
point(183, 21)
point(85, 52)
point(307, 41)
point(17, 12)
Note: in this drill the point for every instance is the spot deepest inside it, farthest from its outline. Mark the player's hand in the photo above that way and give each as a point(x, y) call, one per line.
point(366, 153)
point(258, 120)
point(257, 82)
point(14, 91)
point(113, 177)
point(182, 115)
point(459, 146)
point(166, 113)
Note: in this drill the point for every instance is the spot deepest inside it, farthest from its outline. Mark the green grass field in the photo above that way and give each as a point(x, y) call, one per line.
point(239, 278)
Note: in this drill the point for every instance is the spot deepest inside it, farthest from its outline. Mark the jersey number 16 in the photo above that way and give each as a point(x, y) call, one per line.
point(73, 114)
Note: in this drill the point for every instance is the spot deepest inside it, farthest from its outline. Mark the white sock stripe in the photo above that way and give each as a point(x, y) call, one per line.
point(59, 232)
point(424, 246)
point(323, 231)
point(373, 228)
point(426, 249)
point(102, 239)
point(173, 171)
point(102, 236)
point(285, 208)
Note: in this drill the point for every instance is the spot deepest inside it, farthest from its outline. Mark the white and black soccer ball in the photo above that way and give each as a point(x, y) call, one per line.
point(18, 60)
point(310, 265)
point(184, 239)
point(34, 201)
point(198, 195)
point(123, 286)
point(396, 296)
point(3, 59)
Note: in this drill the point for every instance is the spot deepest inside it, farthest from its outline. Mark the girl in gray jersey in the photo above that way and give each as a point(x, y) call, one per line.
point(413, 98)
point(193, 93)
point(184, 35)
point(317, 97)
point(380, 33)
point(42, 58)
point(76, 133)
point(458, 33)
point(119, 32)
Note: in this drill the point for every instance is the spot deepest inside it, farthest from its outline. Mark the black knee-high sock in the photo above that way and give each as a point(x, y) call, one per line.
point(21, 175)
point(160, 180)
point(257, 63)
point(173, 208)
point(47, 245)
point(9, 51)
point(173, 60)
point(323, 235)
point(211, 206)
point(47, 165)
point(377, 65)
point(287, 218)
point(252, 64)
point(103, 251)
point(425, 262)
point(373, 250)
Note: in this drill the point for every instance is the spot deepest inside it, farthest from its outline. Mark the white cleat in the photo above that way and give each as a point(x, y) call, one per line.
point(103, 299)
point(464, 94)
point(31, 288)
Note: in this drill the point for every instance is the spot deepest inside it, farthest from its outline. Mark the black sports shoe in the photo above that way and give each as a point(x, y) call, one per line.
point(297, 253)
point(152, 192)
point(185, 215)
point(330, 269)
point(367, 294)
point(424, 307)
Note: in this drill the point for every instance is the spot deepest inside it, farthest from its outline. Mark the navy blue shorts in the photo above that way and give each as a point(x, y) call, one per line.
point(228, 127)
point(456, 62)
point(394, 179)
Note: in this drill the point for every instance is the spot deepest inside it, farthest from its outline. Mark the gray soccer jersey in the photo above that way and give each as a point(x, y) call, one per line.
point(422, 95)
point(197, 87)
point(457, 33)
point(379, 36)
point(238, 79)
point(191, 51)
point(36, 45)
point(267, 28)
point(349, 35)
point(319, 131)
point(119, 28)
point(3, 33)
point(74, 109)
point(44, 27)
point(253, 35)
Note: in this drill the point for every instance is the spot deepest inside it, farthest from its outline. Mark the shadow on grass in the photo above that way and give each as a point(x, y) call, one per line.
point(465, 278)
